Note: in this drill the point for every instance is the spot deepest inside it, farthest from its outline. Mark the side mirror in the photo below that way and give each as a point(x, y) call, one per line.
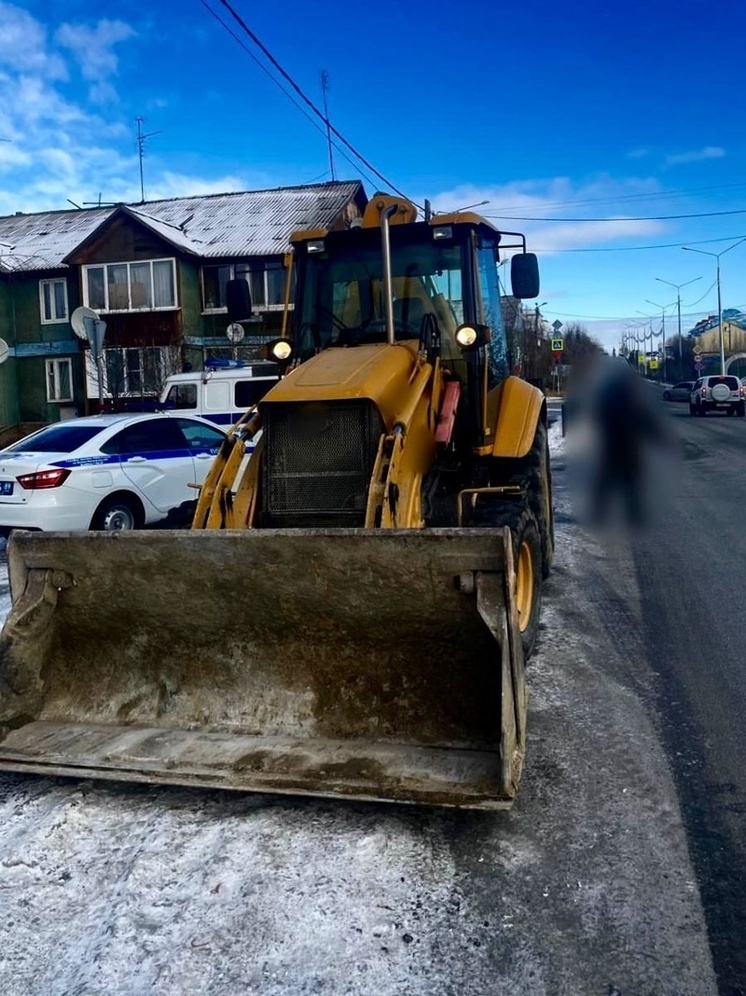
point(238, 300)
point(524, 275)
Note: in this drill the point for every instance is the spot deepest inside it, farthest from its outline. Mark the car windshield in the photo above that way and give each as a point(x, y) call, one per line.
point(63, 437)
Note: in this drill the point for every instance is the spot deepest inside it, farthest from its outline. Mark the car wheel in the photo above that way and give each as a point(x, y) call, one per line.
point(666, 395)
point(741, 409)
point(118, 514)
point(692, 409)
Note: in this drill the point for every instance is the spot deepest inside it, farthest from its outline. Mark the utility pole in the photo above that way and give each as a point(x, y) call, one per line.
point(324, 88)
point(141, 152)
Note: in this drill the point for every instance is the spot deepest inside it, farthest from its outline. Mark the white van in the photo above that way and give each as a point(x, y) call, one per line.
point(222, 393)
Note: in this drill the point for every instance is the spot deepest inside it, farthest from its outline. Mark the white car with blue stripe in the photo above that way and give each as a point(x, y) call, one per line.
point(108, 472)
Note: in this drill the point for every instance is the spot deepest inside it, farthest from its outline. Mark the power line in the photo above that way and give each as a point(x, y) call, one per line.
point(263, 48)
point(663, 245)
point(651, 195)
point(652, 217)
point(287, 93)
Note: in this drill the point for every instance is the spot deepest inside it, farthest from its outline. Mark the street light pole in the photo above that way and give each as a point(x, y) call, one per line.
point(678, 310)
point(717, 256)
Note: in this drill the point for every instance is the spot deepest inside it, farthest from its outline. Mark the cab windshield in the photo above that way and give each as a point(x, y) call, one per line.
point(343, 301)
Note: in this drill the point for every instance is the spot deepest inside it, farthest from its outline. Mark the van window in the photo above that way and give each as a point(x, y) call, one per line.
point(182, 396)
point(248, 393)
point(217, 396)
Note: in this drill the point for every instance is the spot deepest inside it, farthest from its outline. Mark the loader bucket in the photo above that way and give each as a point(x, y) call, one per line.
point(382, 665)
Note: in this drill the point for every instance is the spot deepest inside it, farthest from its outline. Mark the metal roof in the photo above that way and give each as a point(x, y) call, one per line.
point(249, 223)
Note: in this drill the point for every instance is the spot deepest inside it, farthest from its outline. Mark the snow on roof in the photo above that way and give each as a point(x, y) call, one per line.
point(248, 223)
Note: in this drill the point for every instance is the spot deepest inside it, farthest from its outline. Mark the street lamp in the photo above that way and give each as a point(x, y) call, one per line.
point(663, 331)
point(678, 308)
point(717, 256)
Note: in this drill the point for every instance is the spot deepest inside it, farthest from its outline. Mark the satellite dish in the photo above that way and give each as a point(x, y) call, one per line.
point(4, 351)
point(235, 332)
point(77, 320)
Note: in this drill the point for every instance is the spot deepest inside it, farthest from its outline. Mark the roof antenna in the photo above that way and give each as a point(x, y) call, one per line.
point(141, 152)
point(324, 88)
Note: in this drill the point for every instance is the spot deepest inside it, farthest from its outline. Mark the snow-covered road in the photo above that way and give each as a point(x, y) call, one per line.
point(584, 889)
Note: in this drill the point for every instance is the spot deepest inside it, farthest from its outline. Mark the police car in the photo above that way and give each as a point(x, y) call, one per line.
point(109, 472)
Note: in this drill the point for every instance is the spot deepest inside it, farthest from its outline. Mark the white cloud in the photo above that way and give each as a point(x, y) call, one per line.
point(23, 44)
point(181, 185)
point(695, 156)
point(638, 153)
point(526, 207)
point(93, 47)
point(60, 147)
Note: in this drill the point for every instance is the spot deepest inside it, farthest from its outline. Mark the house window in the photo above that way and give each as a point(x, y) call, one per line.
point(53, 300)
point(266, 282)
point(149, 285)
point(133, 371)
point(59, 380)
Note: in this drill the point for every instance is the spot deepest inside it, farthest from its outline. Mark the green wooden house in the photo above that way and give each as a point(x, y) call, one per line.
point(156, 274)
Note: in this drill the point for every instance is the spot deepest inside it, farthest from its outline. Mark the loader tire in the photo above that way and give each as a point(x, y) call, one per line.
point(533, 472)
point(527, 558)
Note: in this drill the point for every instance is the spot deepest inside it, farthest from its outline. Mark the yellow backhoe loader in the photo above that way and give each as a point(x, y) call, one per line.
point(350, 613)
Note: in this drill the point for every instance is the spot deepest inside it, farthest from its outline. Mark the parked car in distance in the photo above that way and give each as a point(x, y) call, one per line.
point(718, 393)
point(108, 472)
point(679, 392)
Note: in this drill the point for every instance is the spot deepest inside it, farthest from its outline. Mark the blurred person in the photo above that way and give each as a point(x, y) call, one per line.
point(613, 424)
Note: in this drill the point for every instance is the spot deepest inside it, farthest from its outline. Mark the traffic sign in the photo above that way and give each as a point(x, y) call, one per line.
point(556, 324)
point(696, 350)
point(558, 345)
point(699, 365)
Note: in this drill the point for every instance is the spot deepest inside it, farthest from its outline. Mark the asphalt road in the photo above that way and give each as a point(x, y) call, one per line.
point(690, 571)
point(586, 888)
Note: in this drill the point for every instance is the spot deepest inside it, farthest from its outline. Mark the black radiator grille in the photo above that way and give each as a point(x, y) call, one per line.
point(318, 463)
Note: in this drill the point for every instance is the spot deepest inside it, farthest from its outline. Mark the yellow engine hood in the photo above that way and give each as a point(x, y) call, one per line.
point(380, 372)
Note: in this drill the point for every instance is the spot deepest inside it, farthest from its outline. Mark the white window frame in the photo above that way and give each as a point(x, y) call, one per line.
point(253, 273)
point(50, 282)
point(127, 390)
point(52, 375)
point(129, 264)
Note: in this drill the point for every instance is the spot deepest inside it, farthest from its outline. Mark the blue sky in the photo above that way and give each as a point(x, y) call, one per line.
point(555, 114)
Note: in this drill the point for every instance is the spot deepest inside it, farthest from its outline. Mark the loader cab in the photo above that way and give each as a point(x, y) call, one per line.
point(444, 275)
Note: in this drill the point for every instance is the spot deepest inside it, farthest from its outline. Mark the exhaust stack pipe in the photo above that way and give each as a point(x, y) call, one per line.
point(388, 293)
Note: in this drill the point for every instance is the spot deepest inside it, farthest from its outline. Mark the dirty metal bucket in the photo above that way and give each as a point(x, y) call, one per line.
point(371, 665)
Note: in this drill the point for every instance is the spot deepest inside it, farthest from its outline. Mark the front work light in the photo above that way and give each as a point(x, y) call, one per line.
point(466, 336)
point(280, 350)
